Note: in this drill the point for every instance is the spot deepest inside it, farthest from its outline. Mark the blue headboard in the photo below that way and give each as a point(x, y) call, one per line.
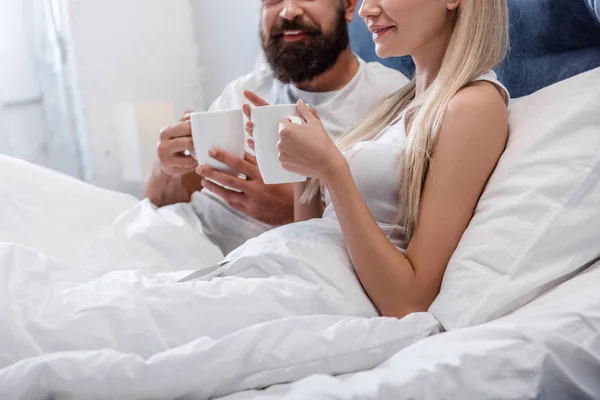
point(551, 40)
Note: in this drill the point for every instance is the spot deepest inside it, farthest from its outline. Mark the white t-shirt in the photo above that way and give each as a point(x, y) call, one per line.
point(339, 110)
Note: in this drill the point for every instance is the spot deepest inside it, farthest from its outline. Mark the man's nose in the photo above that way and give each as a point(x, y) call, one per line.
point(291, 9)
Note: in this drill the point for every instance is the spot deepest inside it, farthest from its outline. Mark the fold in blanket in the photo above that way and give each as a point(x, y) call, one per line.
point(285, 305)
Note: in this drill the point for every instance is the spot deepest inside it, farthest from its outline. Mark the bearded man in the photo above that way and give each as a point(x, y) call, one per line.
point(308, 57)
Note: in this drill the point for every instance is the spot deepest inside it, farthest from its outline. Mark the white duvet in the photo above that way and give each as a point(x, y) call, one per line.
point(101, 314)
point(90, 308)
point(550, 349)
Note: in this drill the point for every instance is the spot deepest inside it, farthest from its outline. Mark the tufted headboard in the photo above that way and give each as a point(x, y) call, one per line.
point(551, 40)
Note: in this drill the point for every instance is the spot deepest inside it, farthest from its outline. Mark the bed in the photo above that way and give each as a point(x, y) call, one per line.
point(538, 336)
point(70, 220)
point(547, 349)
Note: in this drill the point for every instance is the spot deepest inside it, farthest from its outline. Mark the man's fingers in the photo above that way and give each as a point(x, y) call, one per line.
point(235, 163)
point(180, 129)
point(186, 116)
point(222, 178)
point(250, 142)
point(250, 158)
point(250, 128)
point(183, 162)
point(315, 113)
point(255, 99)
point(234, 199)
point(247, 111)
point(177, 145)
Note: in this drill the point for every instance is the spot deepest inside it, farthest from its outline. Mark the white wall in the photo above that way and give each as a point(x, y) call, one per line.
point(23, 131)
point(228, 38)
point(132, 55)
point(141, 63)
point(134, 59)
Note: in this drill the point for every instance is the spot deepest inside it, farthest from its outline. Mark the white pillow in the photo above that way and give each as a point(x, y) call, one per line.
point(538, 221)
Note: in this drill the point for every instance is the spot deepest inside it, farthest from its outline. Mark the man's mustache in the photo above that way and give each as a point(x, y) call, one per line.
point(294, 25)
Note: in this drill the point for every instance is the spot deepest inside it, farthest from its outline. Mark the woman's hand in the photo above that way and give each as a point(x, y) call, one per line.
point(307, 149)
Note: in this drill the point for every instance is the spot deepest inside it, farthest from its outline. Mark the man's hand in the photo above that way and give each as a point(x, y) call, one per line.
point(174, 141)
point(257, 101)
point(173, 179)
point(270, 204)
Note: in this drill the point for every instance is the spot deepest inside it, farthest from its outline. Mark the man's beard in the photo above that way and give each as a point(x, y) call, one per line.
point(309, 57)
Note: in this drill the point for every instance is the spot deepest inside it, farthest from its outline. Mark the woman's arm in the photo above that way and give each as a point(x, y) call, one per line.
point(305, 212)
point(471, 140)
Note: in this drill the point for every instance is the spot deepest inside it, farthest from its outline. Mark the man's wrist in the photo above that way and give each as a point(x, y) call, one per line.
point(165, 178)
point(163, 189)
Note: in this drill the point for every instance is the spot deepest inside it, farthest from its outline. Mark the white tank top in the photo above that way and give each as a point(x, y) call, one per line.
point(374, 166)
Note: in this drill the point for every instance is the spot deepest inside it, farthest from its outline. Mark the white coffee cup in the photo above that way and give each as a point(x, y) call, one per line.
point(266, 122)
point(222, 130)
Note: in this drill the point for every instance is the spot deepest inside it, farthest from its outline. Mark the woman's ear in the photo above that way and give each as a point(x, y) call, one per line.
point(452, 5)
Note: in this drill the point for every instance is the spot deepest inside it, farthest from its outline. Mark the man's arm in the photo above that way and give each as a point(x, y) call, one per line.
point(162, 189)
point(173, 179)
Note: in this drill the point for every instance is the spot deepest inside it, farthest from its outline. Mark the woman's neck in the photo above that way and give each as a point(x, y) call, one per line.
point(429, 58)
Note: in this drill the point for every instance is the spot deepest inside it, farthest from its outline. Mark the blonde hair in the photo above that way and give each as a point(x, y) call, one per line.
point(478, 42)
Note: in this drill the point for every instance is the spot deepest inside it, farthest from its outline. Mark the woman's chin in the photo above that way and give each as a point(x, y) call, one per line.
point(385, 52)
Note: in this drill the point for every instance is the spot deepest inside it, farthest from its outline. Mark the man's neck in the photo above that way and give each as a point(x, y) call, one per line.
point(336, 78)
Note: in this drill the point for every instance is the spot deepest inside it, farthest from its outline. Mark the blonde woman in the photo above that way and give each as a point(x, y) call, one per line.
point(399, 192)
point(404, 184)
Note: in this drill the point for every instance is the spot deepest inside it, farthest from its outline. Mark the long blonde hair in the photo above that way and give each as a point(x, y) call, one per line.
point(478, 42)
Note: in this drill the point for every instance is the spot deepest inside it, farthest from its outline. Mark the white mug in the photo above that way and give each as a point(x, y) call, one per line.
point(266, 122)
point(222, 130)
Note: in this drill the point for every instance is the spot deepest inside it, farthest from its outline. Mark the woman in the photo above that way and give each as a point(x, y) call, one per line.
point(425, 153)
point(399, 192)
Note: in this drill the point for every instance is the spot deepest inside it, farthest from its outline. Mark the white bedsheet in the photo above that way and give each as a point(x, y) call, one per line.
point(550, 349)
point(90, 306)
point(67, 332)
point(135, 334)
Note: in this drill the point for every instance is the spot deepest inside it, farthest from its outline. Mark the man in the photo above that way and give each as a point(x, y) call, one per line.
point(307, 49)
